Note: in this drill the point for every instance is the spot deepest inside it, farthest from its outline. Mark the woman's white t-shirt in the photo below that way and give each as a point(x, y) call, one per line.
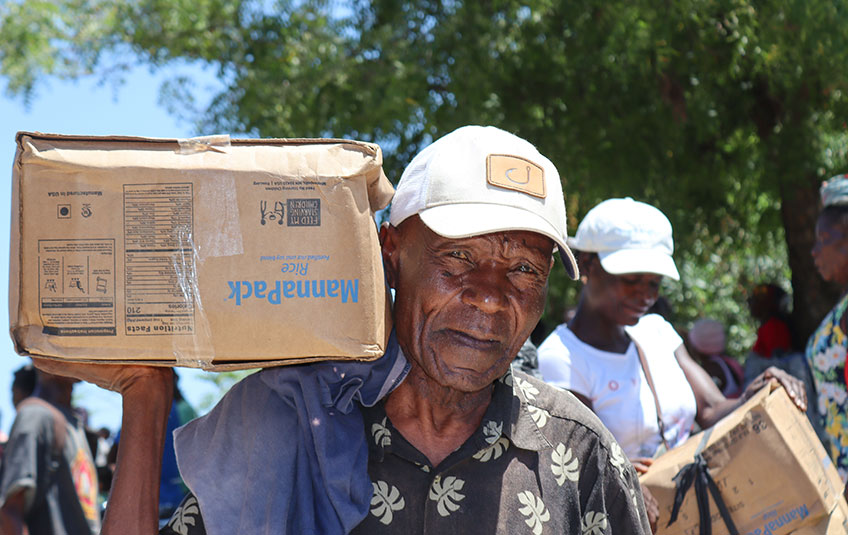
point(616, 384)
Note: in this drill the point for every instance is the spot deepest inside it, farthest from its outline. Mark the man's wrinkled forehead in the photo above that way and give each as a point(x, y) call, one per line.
point(509, 241)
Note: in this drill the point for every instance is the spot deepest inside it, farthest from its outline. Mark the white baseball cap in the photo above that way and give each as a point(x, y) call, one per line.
point(480, 179)
point(629, 237)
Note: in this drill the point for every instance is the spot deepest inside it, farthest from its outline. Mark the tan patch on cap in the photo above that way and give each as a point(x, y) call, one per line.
point(515, 173)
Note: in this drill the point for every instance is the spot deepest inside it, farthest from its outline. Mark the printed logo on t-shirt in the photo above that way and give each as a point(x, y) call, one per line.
point(613, 385)
point(85, 481)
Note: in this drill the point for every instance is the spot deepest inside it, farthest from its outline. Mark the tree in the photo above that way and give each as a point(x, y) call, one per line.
point(726, 114)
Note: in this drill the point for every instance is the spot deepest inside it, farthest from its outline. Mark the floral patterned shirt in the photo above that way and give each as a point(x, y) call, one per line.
point(540, 462)
point(826, 354)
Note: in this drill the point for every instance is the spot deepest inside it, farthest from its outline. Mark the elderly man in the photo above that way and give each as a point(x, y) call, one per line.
point(462, 445)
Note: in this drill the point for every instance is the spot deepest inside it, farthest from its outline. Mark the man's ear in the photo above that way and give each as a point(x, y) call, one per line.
point(389, 239)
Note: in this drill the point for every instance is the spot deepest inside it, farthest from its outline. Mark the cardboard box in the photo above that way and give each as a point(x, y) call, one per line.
point(836, 523)
point(209, 252)
point(772, 471)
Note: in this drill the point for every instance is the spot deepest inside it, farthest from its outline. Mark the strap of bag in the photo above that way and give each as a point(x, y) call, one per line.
point(644, 362)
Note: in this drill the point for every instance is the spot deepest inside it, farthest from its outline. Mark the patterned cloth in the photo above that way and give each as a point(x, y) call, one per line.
point(540, 462)
point(527, 360)
point(826, 353)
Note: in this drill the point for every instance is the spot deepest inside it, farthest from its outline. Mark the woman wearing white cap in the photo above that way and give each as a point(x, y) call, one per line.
point(624, 250)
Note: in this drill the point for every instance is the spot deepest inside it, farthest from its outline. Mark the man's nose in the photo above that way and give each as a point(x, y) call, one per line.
point(485, 290)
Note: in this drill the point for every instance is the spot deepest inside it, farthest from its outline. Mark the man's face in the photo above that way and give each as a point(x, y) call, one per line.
point(463, 307)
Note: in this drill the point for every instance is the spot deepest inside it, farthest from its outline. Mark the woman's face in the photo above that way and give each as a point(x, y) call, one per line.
point(623, 299)
point(830, 253)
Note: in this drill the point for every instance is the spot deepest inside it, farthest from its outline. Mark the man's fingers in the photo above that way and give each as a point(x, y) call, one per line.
point(641, 464)
point(115, 377)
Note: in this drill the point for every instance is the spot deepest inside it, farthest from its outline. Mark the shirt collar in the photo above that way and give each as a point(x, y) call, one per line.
point(510, 414)
point(515, 395)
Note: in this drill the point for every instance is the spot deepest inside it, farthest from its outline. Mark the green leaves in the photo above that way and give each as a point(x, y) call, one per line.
point(63, 38)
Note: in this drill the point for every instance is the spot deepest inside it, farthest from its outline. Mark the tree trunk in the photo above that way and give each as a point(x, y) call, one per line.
point(812, 297)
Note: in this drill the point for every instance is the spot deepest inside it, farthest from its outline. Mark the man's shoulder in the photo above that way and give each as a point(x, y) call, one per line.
point(563, 412)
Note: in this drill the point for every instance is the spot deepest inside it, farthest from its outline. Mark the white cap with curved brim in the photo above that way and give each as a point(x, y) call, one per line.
point(629, 237)
point(480, 179)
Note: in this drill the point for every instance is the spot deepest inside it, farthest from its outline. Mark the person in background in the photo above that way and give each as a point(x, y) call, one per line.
point(48, 483)
point(827, 348)
point(104, 444)
point(767, 305)
point(708, 343)
point(101, 463)
point(775, 346)
point(23, 384)
point(606, 354)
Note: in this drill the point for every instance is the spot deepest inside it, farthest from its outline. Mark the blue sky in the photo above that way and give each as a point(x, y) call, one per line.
point(84, 107)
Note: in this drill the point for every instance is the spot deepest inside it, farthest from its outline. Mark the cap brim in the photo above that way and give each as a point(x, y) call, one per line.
point(467, 220)
point(639, 261)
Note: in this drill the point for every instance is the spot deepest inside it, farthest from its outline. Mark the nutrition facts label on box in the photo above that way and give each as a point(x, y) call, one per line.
point(159, 259)
point(76, 286)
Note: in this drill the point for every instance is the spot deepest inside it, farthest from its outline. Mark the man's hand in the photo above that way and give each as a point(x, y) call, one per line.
point(116, 377)
point(793, 386)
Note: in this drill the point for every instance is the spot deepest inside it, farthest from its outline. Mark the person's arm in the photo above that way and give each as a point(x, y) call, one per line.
point(12, 515)
point(133, 506)
point(146, 391)
point(711, 403)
